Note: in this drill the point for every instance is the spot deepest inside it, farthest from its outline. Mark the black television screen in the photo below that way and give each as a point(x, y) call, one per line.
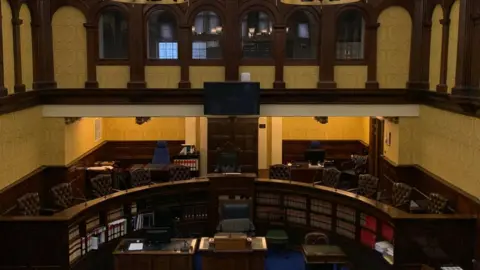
point(231, 98)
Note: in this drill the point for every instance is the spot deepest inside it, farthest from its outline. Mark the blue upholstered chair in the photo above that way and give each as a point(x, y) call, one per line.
point(161, 154)
point(315, 145)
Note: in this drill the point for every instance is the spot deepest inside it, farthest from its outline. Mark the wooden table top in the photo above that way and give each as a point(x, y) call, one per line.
point(258, 244)
point(172, 248)
point(323, 254)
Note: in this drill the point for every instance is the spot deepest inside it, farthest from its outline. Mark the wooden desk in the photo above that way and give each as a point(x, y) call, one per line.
point(304, 174)
point(323, 256)
point(250, 259)
point(165, 257)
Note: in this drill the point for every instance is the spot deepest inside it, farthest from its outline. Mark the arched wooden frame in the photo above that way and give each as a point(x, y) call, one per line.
point(317, 21)
point(364, 16)
point(56, 5)
point(101, 10)
point(271, 18)
point(191, 21)
point(177, 19)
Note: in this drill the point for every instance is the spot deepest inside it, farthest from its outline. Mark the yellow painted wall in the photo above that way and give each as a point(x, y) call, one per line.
point(393, 47)
point(338, 128)
point(453, 45)
point(26, 48)
point(69, 47)
point(301, 77)
point(448, 145)
point(19, 144)
point(436, 48)
point(158, 128)
point(113, 76)
point(264, 75)
point(162, 76)
point(350, 76)
point(7, 34)
point(80, 138)
point(199, 75)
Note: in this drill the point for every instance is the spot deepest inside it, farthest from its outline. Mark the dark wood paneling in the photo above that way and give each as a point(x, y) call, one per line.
point(293, 150)
point(242, 133)
point(427, 182)
point(44, 178)
point(466, 105)
point(136, 151)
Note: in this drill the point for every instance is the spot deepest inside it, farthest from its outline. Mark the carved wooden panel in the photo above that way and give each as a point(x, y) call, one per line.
point(242, 133)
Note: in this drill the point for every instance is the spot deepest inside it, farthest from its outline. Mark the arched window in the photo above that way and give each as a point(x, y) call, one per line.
point(206, 36)
point(302, 36)
point(257, 37)
point(350, 35)
point(162, 35)
point(113, 35)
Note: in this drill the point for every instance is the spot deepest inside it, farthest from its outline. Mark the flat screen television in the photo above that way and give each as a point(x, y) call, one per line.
point(231, 99)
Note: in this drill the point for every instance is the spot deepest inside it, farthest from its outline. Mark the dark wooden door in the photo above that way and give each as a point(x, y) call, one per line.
point(241, 132)
point(375, 150)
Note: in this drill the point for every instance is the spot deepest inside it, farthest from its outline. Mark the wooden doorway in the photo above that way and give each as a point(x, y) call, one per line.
point(241, 132)
point(375, 150)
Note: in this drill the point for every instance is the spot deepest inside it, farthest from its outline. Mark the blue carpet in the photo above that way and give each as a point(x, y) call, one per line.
point(292, 260)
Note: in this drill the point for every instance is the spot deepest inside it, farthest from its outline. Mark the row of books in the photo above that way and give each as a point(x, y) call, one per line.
point(117, 229)
point(320, 206)
point(346, 213)
point(193, 164)
point(295, 216)
point(296, 202)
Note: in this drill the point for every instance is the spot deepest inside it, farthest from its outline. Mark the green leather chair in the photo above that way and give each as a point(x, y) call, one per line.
point(277, 238)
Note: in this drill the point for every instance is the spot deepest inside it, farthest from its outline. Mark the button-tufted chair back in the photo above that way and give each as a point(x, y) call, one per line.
point(140, 177)
point(401, 194)
point(29, 204)
point(359, 163)
point(102, 185)
point(63, 195)
point(331, 177)
point(280, 171)
point(316, 238)
point(367, 185)
point(436, 203)
point(179, 172)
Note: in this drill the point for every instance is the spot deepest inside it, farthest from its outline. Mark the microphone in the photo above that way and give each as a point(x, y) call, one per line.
point(83, 195)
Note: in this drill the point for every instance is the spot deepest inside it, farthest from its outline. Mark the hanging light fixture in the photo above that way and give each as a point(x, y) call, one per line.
point(319, 2)
point(152, 2)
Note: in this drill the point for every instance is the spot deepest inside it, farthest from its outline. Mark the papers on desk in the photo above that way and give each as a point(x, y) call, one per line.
point(386, 249)
point(232, 173)
point(135, 246)
point(451, 268)
point(100, 168)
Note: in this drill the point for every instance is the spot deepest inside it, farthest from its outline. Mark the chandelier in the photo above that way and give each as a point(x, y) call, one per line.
point(153, 2)
point(319, 2)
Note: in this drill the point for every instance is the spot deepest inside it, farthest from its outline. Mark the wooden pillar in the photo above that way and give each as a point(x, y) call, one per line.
point(463, 83)
point(327, 49)
point(136, 48)
point(279, 39)
point(185, 53)
point(233, 51)
point(420, 48)
point(17, 52)
point(475, 71)
point(442, 86)
point(44, 76)
point(92, 35)
point(371, 39)
point(3, 90)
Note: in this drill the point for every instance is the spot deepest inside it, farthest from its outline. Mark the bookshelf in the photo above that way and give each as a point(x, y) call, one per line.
point(95, 234)
point(269, 207)
point(117, 223)
point(74, 243)
point(320, 221)
point(296, 202)
point(346, 218)
point(321, 207)
point(296, 216)
point(368, 230)
point(195, 213)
